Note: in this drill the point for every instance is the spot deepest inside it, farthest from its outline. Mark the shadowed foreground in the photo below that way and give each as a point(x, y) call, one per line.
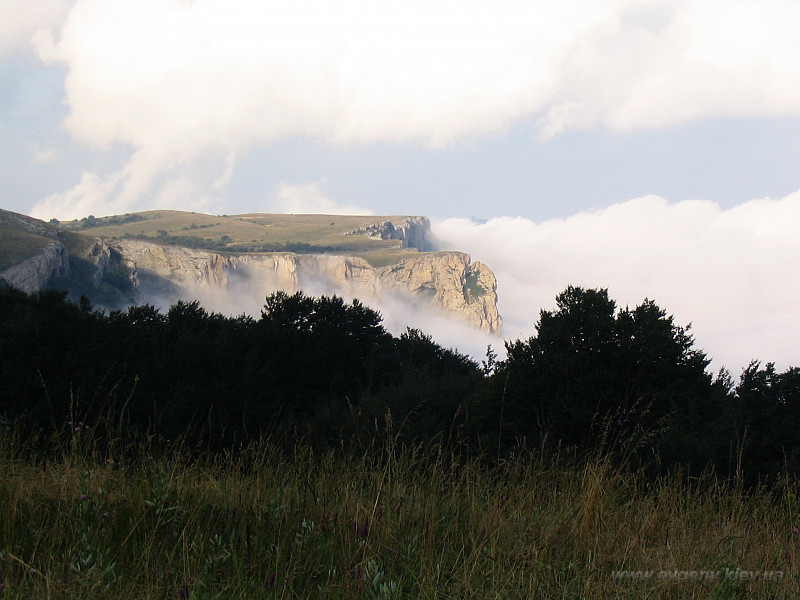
point(392, 523)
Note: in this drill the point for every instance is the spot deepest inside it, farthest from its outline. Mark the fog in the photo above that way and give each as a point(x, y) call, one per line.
point(731, 274)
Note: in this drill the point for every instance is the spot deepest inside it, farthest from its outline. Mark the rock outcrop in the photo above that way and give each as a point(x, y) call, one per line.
point(447, 281)
point(410, 232)
point(121, 272)
point(450, 281)
point(35, 272)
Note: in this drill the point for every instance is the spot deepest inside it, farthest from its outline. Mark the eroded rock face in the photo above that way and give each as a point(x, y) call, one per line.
point(51, 258)
point(410, 232)
point(35, 272)
point(447, 281)
point(450, 282)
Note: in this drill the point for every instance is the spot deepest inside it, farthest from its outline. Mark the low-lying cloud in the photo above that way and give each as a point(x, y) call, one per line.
point(247, 288)
point(731, 273)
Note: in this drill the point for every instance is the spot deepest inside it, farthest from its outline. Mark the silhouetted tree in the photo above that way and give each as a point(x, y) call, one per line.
point(593, 374)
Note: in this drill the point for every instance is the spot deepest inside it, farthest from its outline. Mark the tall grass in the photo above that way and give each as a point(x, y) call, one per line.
point(152, 521)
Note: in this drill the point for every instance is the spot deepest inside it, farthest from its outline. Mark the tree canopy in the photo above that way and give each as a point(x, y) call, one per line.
point(593, 377)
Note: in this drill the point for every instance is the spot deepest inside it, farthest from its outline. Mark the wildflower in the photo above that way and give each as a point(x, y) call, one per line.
point(796, 530)
point(82, 497)
point(271, 579)
point(183, 593)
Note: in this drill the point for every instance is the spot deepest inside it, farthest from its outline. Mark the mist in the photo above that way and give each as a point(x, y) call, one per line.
point(248, 286)
point(731, 273)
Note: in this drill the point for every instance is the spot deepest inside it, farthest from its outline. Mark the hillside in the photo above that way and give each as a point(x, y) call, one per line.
point(230, 262)
point(375, 238)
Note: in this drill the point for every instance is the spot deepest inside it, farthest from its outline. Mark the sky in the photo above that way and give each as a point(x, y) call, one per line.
point(650, 147)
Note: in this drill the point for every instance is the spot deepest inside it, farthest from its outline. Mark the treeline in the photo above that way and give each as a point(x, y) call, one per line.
point(224, 243)
point(325, 372)
point(91, 221)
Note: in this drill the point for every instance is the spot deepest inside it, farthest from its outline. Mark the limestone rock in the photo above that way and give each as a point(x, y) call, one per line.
point(411, 232)
point(99, 255)
point(450, 282)
point(34, 273)
point(446, 281)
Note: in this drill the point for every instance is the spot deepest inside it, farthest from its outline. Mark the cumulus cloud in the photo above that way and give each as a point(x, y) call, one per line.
point(728, 272)
point(175, 80)
point(22, 18)
point(308, 198)
point(92, 193)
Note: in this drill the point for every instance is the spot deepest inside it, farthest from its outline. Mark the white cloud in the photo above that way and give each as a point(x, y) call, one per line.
point(728, 272)
point(309, 199)
point(90, 196)
point(42, 155)
point(22, 18)
point(177, 80)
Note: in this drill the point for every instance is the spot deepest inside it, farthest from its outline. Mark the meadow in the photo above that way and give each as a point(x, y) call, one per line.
point(149, 519)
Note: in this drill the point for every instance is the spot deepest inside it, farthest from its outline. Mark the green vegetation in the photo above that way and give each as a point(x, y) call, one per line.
point(16, 245)
point(151, 520)
point(22, 237)
point(310, 453)
point(625, 382)
point(472, 288)
point(225, 244)
point(92, 222)
point(240, 233)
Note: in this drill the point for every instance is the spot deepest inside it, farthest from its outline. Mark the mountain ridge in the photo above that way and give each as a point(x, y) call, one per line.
point(139, 258)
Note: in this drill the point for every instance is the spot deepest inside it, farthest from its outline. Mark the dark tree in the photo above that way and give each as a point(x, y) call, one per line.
point(595, 375)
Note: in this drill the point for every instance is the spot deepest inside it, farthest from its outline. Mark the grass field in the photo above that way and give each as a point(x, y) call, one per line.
point(319, 230)
point(18, 242)
point(388, 523)
point(17, 245)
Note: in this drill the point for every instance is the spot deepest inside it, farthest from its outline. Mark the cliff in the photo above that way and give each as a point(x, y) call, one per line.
point(410, 232)
point(35, 272)
point(447, 281)
point(31, 252)
point(376, 260)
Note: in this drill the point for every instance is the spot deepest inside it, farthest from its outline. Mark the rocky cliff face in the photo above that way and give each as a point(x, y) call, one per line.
point(448, 281)
point(121, 272)
point(49, 256)
point(35, 272)
point(410, 232)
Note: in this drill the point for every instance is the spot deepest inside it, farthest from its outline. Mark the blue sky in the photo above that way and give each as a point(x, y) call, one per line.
point(598, 120)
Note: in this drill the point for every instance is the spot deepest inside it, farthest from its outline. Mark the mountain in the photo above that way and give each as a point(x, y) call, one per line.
point(230, 263)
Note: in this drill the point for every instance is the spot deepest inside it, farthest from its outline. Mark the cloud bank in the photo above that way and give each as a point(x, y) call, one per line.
point(178, 82)
point(731, 273)
point(22, 18)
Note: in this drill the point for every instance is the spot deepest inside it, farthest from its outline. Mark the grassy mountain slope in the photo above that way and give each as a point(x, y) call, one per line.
point(254, 229)
point(22, 237)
